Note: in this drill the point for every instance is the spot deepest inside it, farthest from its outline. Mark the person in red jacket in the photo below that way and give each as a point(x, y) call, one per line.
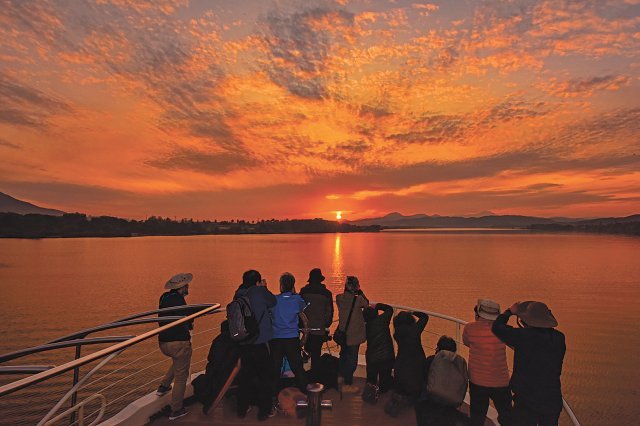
point(488, 372)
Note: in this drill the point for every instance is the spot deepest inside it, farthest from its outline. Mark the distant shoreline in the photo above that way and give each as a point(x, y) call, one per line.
point(77, 225)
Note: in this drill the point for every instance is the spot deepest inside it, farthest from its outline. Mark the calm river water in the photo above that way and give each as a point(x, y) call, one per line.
point(591, 282)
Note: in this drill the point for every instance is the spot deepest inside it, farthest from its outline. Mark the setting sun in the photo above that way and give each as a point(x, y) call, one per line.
point(338, 215)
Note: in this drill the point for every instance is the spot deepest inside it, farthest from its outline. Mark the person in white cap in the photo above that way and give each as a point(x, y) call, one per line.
point(176, 344)
point(488, 371)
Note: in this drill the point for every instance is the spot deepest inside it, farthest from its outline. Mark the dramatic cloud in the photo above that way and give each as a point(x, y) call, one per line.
point(301, 46)
point(156, 107)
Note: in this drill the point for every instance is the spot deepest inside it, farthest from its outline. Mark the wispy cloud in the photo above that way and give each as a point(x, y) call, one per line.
point(27, 106)
point(403, 102)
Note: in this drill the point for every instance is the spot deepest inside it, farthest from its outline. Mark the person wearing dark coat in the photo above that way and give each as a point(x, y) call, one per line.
point(319, 313)
point(255, 357)
point(539, 351)
point(379, 354)
point(409, 364)
point(175, 343)
point(222, 359)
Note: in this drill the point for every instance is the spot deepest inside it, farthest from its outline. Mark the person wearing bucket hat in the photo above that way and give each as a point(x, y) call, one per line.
point(539, 351)
point(176, 344)
point(319, 312)
point(488, 371)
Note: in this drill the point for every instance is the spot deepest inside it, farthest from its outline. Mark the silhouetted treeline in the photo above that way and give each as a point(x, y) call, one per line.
point(602, 227)
point(13, 225)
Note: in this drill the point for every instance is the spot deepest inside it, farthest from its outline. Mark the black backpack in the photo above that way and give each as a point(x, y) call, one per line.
point(243, 326)
point(328, 371)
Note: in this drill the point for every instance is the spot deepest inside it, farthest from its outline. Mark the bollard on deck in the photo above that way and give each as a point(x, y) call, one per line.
point(315, 404)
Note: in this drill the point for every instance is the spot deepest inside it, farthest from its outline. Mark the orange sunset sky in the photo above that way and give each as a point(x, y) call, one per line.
point(261, 109)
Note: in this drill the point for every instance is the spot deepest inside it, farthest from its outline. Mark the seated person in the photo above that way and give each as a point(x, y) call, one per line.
point(223, 357)
point(446, 378)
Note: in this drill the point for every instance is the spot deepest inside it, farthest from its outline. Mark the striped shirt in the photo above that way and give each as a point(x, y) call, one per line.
point(487, 355)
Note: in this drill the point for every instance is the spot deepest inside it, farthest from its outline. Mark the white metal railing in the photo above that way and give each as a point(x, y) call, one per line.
point(106, 353)
point(114, 350)
point(459, 323)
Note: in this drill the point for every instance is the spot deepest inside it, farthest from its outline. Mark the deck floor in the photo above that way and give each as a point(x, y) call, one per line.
point(351, 410)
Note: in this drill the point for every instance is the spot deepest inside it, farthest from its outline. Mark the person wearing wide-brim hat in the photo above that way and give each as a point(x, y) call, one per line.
point(539, 351)
point(319, 312)
point(488, 371)
point(176, 344)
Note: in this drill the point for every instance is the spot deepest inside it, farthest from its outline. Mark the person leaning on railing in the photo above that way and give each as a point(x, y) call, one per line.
point(176, 344)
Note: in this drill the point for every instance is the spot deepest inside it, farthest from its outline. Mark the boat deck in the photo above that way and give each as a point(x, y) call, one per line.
point(351, 410)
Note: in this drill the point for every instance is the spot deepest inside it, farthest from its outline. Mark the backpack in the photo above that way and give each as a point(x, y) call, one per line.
point(328, 371)
point(395, 404)
point(447, 379)
point(243, 326)
point(370, 393)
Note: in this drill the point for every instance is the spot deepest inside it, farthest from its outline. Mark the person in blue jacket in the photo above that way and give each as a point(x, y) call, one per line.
point(286, 331)
point(254, 355)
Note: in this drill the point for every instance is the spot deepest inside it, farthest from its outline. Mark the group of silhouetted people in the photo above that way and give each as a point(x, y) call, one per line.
point(262, 330)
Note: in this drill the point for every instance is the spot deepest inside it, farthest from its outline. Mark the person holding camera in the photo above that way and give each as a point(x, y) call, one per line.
point(410, 361)
point(319, 312)
point(379, 354)
point(351, 323)
point(488, 371)
point(539, 351)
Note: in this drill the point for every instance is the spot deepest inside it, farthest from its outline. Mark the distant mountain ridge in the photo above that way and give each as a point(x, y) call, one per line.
point(8, 204)
point(398, 220)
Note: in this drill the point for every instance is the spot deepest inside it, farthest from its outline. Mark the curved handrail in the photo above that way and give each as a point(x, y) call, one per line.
point(59, 345)
point(430, 313)
point(565, 404)
point(36, 378)
point(194, 307)
point(75, 387)
point(134, 319)
point(25, 369)
point(82, 333)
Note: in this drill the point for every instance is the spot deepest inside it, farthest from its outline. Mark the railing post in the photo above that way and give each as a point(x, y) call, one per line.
point(314, 410)
point(457, 332)
point(81, 415)
point(76, 377)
